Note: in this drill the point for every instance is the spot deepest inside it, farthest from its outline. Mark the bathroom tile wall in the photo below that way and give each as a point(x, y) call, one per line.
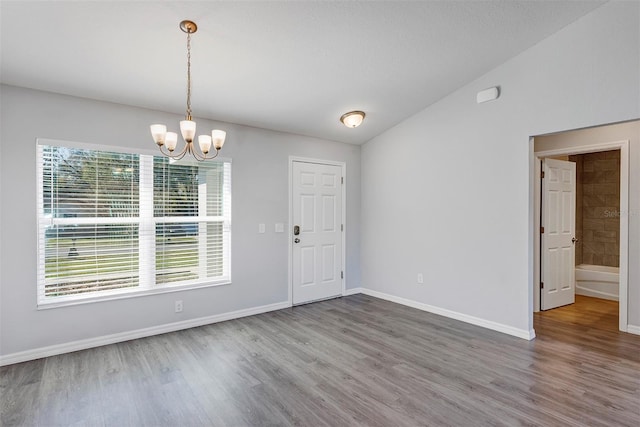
point(598, 208)
point(579, 160)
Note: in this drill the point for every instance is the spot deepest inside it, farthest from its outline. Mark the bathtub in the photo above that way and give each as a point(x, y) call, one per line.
point(597, 281)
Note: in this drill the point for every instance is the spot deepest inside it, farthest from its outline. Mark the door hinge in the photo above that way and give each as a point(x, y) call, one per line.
point(541, 174)
point(341, 227)
point(541, 285)
point(342, 180)
point(541, 230)
point(342, 274)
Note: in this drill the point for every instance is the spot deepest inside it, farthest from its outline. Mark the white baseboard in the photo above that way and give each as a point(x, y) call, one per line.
point(53, 350)
point(351, 291)
point(633, 329)
point(588, 292)
point(499, 327)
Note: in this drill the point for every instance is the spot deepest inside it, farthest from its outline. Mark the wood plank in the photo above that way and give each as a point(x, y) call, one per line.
point(354, 361)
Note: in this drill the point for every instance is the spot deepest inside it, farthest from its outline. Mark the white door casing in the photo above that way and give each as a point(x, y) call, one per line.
point(317, 249)
point(558, 233)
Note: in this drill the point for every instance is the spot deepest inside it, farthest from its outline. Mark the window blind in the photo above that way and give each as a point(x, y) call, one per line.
point(111, 222)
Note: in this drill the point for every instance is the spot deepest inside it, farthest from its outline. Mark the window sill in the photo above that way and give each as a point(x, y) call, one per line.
point(66, 301)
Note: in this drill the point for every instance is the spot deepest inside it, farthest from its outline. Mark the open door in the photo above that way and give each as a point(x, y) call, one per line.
point(557, 239)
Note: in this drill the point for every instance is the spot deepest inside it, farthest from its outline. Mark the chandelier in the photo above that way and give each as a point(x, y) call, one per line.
point(169, 140)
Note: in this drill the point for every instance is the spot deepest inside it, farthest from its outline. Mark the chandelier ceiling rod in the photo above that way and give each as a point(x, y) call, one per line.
point(189, 30)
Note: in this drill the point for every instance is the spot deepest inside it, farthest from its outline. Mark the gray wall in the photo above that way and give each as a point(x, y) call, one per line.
point(260, 195)
point(446, 193)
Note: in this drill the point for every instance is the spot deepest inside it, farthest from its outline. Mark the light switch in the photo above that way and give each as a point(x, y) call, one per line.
point(279, 227)
point(261, 228)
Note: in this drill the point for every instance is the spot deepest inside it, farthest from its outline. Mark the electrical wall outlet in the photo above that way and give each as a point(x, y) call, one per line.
point(420, 279)
point(178, 306)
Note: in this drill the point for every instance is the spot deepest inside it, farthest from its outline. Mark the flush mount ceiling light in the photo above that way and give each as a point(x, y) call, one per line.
point(352, 119)
point(188, 126)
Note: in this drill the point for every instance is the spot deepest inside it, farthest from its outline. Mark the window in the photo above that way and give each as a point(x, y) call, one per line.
point(112, 223)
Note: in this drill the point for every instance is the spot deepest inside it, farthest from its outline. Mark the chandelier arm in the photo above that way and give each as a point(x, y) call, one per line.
point(197, 155)
point(181, 155)
point(164, 152)
point(200, 156)
point(189, 149)
point(212, 157)
point(178, 156)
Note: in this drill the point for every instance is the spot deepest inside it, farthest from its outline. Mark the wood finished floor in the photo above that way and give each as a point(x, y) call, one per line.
point(356, 360)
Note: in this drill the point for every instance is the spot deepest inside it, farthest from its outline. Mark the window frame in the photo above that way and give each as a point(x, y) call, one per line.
point(153, 221)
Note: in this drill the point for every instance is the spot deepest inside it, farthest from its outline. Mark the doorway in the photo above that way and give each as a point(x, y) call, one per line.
point(317, 211)
point(571, 150)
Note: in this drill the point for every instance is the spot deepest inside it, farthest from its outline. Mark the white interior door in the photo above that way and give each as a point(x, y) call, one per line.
point(317, 231)
point(558, 233)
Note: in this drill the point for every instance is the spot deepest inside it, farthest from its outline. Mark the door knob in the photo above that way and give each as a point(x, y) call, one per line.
point(296, 240)
point(574, 240)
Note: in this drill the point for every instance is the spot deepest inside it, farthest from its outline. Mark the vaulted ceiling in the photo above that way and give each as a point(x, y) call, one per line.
point(292, 66)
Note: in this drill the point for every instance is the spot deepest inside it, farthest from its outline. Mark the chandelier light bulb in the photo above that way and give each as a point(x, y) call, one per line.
point(188, 130)
point(171, 140)
point(205, 143)
point(218, 137)
point(158, 132)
